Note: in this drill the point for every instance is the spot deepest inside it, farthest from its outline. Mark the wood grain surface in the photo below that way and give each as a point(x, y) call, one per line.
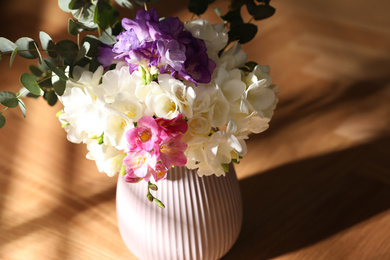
point(315, 185)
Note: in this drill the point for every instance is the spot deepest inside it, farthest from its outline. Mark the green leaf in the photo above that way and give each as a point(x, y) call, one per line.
point(263, 12)
point(73, 29)
point(35, 70)
point(13, 55)
point(78, 4)
point(56, 70)
point(27, 48)
point(94, 64)
point(124, 3)
point(2, 121)
point(64, 5)
point(232, 15)
point(29, 82)
point(243, 32)
point(107, 37)
point(8, 99)
point(105, 14)
point(47, 44)
point(59, 86)
point(225, 167)
point(6, 46)
point(198, 7)
point(68, 50)
point(51, 98)
point(11, 102)
point(22, 107)
point(83, 51)
point(94, 45)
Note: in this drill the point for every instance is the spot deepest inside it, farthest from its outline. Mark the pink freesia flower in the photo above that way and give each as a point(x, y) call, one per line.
point(154, 147)
point(145, 135)
point(139, 164)
point(159, 172)
point(172, 127)
point(171, 152)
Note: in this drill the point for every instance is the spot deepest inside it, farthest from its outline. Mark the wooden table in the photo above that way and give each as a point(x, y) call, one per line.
point(316, 185)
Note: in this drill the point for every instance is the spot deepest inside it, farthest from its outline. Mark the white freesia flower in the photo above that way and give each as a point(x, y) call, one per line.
point(81, 108)
point(115, 125)
point(230, 83)
point(117, 81)
point(215, 36)
point(108, 159)
point(205, 95)
point(219, 111)
point(125, 103)
point(260, 95)
point(233, 58)
point(184, 96)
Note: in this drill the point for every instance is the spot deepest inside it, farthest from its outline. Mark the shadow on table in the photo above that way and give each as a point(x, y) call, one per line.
point(304, 202)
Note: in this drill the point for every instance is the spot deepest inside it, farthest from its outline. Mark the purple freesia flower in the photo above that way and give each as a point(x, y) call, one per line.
point(165, 45)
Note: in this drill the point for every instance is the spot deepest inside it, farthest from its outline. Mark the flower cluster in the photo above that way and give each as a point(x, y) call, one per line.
point(162, 46)
point(177, 96)
point(154, 147)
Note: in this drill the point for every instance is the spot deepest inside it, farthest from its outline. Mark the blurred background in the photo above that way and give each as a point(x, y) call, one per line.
point(315, 185)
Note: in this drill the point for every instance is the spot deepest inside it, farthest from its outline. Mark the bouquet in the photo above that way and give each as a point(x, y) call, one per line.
point(151, 93)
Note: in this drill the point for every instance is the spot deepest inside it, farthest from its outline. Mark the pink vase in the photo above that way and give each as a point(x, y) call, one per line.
point(201, 220)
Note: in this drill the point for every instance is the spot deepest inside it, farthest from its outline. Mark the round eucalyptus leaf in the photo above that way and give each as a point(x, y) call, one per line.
point(263, 11)
point(59, 86)
point(68, 50)
point(72, 27)
point(27, 48)
point(2, 121)
point(243, 32)
point(35, 70)
point(29, 82)
point(13, 55)
point(64, 5)
point(22, 107)
point(94, 43)
point(13, 102)
point(56, 70)
point(47, 44)
point(105, 14)
point(198, 7)
point(232, 15)
point(6, 46)
point(51, 97)
point(8, 99)
point(5, 95)
point(124, 3)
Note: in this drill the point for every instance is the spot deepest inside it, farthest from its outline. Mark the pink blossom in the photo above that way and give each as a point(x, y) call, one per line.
point(139, 164)
point(172, 127)
point(159, 172)
point(145, 135)
point(171, 152)
point(154, 147)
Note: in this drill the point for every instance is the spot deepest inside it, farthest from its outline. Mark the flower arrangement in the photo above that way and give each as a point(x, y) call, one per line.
point(150, 93)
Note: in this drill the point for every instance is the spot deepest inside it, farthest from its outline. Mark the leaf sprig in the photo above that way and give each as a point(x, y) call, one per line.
point(239, 30)
point(48, 79)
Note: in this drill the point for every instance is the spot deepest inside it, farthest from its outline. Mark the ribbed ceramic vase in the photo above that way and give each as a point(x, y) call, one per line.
point(201, 220)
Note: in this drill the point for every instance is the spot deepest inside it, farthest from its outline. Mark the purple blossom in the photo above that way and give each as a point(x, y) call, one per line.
point(163, 44)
